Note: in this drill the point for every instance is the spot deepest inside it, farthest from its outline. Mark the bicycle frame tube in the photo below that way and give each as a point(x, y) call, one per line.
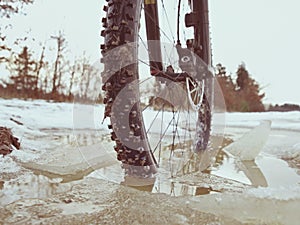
point(153, 36)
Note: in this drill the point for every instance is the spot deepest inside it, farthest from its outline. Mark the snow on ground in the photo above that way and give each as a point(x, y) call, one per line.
point(39, 116)
point(282, 123)
point(280, 120)
point(33, 122)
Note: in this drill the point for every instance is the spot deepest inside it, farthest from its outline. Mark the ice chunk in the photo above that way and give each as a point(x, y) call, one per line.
point(256, 206)
point(251, 143)
point(73, 162)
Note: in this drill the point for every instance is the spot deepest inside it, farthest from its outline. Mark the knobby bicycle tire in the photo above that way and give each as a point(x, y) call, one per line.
point(121, 27)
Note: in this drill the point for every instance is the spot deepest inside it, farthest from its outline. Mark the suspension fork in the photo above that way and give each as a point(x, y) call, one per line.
point(199, 19)
point(202, 7)
point(153, 36)
point(204, 42)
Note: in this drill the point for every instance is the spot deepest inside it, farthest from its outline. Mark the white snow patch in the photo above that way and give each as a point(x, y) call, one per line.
point(279, 193)
point(39, 114)
point(280, 120)
point(26, 156)
point(8, 165)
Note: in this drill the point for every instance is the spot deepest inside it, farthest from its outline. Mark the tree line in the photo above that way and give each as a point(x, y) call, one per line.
point(32, 75)
point(242, 94)
point(9, 8)
point(62, 80)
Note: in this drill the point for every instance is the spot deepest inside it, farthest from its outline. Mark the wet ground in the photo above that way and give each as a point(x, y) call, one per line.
point(94, 190)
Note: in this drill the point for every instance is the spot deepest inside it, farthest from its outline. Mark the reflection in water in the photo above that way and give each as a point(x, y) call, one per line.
point(225, 166)
point(186, 162)
point(253, 173)
point(244, 172)
point(30, 186)
point(43, 184)
point(205, 191)
point(74, 137)
point(146, 184)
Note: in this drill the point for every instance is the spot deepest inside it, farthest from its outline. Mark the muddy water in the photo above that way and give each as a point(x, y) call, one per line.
point(226, 175)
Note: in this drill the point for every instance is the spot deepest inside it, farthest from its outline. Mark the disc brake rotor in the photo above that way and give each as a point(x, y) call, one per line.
point(195, 91)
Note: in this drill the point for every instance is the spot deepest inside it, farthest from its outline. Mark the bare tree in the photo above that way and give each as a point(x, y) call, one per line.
point(58, 65)
point(40, 65)
point(9, 8)
point(89, 83)
point(84, 76)
point(73, 70)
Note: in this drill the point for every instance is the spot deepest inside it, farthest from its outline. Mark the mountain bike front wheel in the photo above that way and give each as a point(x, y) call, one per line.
point(160, 107)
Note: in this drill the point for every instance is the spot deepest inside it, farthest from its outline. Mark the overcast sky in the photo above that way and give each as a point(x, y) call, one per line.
point(264, 34)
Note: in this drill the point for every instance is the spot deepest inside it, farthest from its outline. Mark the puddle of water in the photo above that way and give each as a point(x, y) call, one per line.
point(257, 174)
point(31, 186)
point(34, 183)
point(265, 171)
point(74, 137)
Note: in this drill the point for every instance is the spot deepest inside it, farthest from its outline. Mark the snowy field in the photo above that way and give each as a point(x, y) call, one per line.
point(49, 131)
